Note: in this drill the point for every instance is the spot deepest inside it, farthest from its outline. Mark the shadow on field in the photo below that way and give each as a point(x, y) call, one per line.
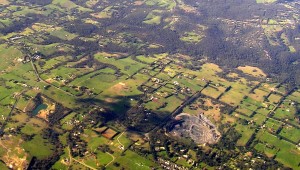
point(133, 117)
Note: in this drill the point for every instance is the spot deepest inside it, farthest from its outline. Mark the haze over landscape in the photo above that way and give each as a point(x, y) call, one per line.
point(149, 84)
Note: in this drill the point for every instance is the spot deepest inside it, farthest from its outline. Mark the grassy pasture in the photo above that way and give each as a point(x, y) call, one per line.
point(282, 89)
point(33, 126)
point(171, 106)
point(124, 140)
point(62, 34)
point(6, 96)
point(288, 153)
point(272, 125)
point(265, 1)
point(212, 92)
point(43, 27)
point(59, 95)
point(191, 37)
point(161, 55)
point(183, 162)
point(274, 98)
point(264, 148)
point(38, 147)
point(124, 88)
point(67, 122)
point(24, 11)
point(50, 63)
point(155, 104)
point(67, 4)
point(105, 13)
point(132, 160)
point(6, 21)
point(236, 94)
point(286, 41)
point(245, 111)
point(140, 77)
point(285, 111)
point(153, 18)
point(3, 166)
point(291, 133)
point(146, 59)
point(127, 65)
point(27, 31)
point(253, 71)
point(271, 30)
point(93, 141)
point(66, 72)
point(128, 161)
point(59, 164)
point(188, 83)
point(171, 71)
point(258, 118)
point(248, 106)
point(238, 115)
point(295, 96)
point(91, 3)
point(246, 133)
point(252, 101)
point(208, 71)
point(258, 94)
point(50, 49)
point(168, 4)
point(20, 118)
point(4, 111)
point(20, 73)
point(163, 76)
point(8, 56)
point(263, 111)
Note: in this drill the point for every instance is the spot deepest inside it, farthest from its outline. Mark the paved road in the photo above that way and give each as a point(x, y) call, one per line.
point(111, 160)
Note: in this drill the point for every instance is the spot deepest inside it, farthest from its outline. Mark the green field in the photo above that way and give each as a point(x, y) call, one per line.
point(38, 147)
point(273, 125)
point(291, 133)
point(265, 148)
point(265, 1)
point(133, 161)
point(287, 154)
point(246, 133)
point(274, 98)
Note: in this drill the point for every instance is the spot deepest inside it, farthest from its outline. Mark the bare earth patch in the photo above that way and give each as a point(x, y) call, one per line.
point(4, 2)
point(138, 3)
point(15, 157)
point(198, 128)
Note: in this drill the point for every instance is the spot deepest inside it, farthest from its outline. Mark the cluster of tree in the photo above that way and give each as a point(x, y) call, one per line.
point(81, 28)
point(59, 113)
point(39, 2)
point(20, 24)
point(139, 119)
point(229, 139)
point(48, 162)
point(105, 148)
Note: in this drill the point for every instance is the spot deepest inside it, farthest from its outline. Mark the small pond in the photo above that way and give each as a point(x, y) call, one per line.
point(39, 108)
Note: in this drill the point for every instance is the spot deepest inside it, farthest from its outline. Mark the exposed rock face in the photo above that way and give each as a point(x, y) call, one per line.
point(198, 128)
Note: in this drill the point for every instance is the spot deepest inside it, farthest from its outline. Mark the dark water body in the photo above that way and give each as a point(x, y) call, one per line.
point(38, 108)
